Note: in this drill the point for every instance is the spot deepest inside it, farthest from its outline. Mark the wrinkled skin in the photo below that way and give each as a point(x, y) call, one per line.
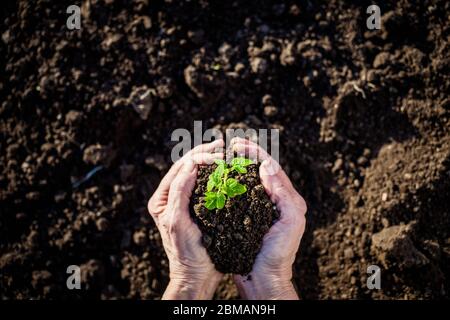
point(192, 274)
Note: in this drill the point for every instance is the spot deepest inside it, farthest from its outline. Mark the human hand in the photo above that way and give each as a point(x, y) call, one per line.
point(192, 274)
point(272, 271)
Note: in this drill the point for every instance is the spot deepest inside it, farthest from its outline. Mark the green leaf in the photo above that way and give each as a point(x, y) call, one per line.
point(216, 176)
point(215, 179)
point(219, 186)
point(240, 169)
point(220, 162)
point(216, 66)
point(210, 200)
point(211, 183)
point(214, 200)
point(220, 200)
point(220, 168)
point(210, 204)
point(210, 195)
point(233, 188)
point(242, 162)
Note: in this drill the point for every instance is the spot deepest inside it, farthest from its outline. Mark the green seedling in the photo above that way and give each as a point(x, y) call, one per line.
point(220, 187)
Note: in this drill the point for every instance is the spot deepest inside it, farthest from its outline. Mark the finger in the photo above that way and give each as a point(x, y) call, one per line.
point(247, 142)
point(280, 189)
point(178, 202)
point(199, 155)
point(170, 176)
point(160, 195)
point(182, 186)
point(203, 148)
point(205, 158)
point(206, 147)
point(250, 151)
point(236, 140)
point(254, 151)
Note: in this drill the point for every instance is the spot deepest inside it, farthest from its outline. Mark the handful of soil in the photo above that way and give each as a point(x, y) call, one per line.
point(233, 235)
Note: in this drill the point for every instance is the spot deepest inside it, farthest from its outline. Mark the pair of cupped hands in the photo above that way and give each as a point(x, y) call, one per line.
point(192, 274)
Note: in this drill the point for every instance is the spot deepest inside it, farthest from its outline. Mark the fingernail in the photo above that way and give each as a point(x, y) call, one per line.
point(217, 156)
point(218, 142)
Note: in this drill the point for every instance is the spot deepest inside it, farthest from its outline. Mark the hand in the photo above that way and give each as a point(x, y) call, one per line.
point(271, 276)
point(192, 274)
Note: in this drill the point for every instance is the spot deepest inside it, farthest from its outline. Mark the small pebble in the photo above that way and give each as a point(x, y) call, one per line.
point(348, 253)
point(140, 238)
point(102, 224)
point(270, 111)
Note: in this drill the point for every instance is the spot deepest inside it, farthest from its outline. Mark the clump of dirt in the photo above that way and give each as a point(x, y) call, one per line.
point(233, 235)
point(86, 118)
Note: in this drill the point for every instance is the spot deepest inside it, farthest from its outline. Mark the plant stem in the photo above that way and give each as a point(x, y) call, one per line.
point(224, 179)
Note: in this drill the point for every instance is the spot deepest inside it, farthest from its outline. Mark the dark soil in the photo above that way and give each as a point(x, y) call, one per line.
point(233, 235)
point(364, 120)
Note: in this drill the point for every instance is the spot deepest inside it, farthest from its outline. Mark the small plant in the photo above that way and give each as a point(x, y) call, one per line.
point(220, 187)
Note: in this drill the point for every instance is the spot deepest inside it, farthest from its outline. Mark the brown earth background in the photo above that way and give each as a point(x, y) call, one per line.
point(364, 120)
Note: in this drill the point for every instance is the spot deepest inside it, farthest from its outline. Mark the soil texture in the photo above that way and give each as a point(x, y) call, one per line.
point(233, 235)
point(86, 118)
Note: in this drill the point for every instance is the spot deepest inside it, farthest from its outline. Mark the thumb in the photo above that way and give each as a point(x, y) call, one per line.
point(275, 181)
point(280, 189)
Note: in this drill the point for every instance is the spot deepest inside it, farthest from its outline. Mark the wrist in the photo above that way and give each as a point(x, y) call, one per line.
point(191, 288)
point(267, 287)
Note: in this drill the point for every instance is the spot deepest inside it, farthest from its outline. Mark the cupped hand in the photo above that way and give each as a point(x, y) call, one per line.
point(271, 276)
point(192, 274)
